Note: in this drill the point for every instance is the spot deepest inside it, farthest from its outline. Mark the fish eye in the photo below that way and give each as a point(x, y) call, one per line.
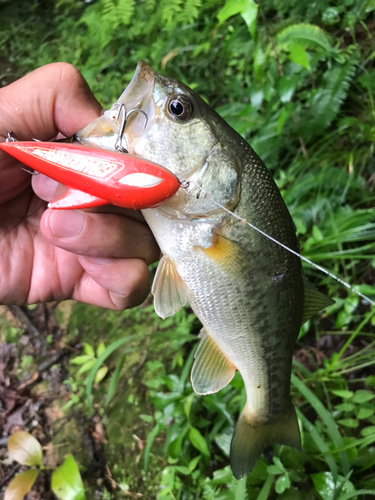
point(180, 107)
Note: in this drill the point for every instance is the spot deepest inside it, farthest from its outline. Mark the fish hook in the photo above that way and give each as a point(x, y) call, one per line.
point(122, 107)
point(118, 144)
point(10, 137)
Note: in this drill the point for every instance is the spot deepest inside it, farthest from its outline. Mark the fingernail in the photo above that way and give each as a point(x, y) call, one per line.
point(66, 224)
point(98, 260)
point(46, 188)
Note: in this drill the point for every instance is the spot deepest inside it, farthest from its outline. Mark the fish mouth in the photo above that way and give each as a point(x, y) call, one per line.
point(133, 112)
point(139, 104)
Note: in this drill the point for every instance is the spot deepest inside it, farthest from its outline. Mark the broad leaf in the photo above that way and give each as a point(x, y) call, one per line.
point(247, 8)
point(198, 441)
point(100, 374)
point(66, 481)
point(25, 449)
point(282, 484)
point(327, 487)
point(88, 349)
point(298, 55)
point(21, 485)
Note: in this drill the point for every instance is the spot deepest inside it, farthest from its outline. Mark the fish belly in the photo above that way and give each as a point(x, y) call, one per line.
point(243, 304)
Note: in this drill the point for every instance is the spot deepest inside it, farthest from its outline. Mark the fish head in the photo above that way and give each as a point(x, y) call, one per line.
point(169, 124)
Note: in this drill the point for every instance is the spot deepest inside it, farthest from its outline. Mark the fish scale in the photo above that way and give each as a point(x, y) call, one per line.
point(247, 291)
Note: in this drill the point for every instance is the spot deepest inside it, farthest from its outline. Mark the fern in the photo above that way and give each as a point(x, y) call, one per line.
point(307, 35)
point(209, 492)
point(125, 10)
point(168, 12)
point(191, 11)
point(239, 489)
point(327, 102)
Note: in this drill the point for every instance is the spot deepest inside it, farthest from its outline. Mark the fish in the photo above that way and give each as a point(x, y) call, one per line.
point(249, 293)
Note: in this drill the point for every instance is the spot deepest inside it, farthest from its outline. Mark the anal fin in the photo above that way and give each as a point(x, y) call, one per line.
point(212, 370)
point(168, 289)
point(76, 199)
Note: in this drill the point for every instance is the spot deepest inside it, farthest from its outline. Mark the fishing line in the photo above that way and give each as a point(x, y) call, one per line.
point(185, 184)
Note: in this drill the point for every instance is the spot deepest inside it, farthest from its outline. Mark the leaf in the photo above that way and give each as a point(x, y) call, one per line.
point(287, 86)
point(25, 449)
point(88, 350)
point(247, 8)
point(349, 422)
point(326, 417)
point(249, 14)
point(298, 55)
point(327, 487)
point(21, 485)
point(362, 396)
point(98, 363)
point(327, 101)
point(368, 431)
point(282, 484)
point(187, 404)
point(100, 349)
point(231, 8)
point(283, 116)
point(307, 35)
point(345, 407)
point(150, 439)
point(343, 393)
point(365, 413)
point(193, 463)
point(86, 366)
point(198, 441)
point(100, 374)
point(114, 381)
point(81, 360)
point(66, 481)
point(183, 470)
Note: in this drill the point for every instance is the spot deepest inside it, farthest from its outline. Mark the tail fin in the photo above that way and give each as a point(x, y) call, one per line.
point(250, 438)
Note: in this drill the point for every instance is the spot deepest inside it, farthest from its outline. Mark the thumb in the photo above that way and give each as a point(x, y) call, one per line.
point(54, 98)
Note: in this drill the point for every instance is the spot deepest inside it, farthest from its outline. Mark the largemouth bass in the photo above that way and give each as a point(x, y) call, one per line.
point(248, 292)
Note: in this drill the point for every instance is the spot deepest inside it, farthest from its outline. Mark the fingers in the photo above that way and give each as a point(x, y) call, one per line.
point(113, 283)
point(99, 235)
point(54, 98)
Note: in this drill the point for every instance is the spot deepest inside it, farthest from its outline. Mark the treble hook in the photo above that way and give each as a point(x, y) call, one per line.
point(10, 137)
point(122, 107)
point(118, 144)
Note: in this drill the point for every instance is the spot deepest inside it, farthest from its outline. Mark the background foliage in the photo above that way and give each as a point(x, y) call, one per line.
point(296, 79)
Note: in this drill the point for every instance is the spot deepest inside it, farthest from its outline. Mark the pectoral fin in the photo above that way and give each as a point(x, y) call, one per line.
point(168, 289)
point(229, 256)
point(212, 370)
point(74, 198)
point(314, 300)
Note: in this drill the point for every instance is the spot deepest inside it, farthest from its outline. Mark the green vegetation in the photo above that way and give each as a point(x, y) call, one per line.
point(296, 79)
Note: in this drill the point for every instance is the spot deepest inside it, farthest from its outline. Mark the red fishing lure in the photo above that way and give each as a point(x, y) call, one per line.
point(95, 177)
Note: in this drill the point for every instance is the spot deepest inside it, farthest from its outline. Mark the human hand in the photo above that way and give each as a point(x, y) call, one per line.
point(98, 258)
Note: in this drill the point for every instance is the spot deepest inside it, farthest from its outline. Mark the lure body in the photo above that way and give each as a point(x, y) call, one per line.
point(96, 177)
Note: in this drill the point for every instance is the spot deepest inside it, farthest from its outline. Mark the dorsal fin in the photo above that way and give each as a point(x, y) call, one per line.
point(314, 300)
